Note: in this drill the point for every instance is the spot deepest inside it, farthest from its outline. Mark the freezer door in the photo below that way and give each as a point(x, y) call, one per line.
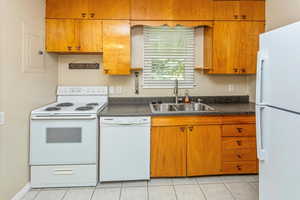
point(279, 168)
point(278, 69)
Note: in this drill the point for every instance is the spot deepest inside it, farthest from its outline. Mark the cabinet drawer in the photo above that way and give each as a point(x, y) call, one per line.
point(243, 130)
point(63, 176)
point(238, 143)
point(239, 155)
point(243, 167)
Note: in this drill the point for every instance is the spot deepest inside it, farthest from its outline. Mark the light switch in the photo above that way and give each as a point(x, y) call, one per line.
point(1, 118)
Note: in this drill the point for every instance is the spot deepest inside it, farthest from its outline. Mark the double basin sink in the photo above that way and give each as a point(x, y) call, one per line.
point(180, 108)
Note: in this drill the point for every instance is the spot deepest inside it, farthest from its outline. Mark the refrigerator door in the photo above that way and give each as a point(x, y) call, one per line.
point(278, 68)
point(278, 132)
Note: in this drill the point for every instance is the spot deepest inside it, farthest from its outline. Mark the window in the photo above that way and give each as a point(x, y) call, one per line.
point(169, 54)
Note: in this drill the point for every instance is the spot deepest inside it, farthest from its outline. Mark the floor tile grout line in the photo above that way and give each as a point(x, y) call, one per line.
point(35, 195)
point(120, 194)
point(66, 191)
point(148, 191)
point(199, 186)
point(226, 186)
point(251, 186)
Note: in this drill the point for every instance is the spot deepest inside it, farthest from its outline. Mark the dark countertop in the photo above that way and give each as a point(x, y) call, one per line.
point(115, 110)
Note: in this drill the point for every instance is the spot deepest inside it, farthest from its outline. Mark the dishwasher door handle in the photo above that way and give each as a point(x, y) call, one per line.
point(124, 123)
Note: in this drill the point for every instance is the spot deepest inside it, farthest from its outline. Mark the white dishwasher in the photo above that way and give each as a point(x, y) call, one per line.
point(124, 148)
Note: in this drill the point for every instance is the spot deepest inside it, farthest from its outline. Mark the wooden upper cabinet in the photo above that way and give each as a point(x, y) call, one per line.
point(234, 47)
point(225, 51)
point(68, 9)
point(116, 47)
point(168, 151)
point(151, 9)
point(60, 35)
point(108, 9)
point(249, 45)
point(171, 10)
point(75, 36)
point(204, 150)
point(192, 10)
point(90, 36)
point(239, 10)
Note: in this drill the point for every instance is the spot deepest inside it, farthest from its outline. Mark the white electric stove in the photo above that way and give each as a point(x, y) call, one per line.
point(63, 138)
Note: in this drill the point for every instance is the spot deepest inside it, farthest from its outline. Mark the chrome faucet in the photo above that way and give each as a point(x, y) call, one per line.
point(176, 91)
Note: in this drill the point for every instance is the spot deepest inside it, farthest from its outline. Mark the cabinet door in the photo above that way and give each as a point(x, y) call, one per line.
point(249, 45)
point(60, 35)
point(192, 10)
point(252, 10)
point(108, 9)
point(204, 150)
point(68, 9)
point(90, 36)
point(152, 9)
point(168, 151)
point(226, 10)
point(116, 47)
point(226, 47)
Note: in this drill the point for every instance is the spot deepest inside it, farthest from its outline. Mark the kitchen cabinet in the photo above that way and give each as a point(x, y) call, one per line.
point(116, 47)
point(88, 9)
point(204, 150)
point(233, 46)
point(239, 10)
point(74, 36)
point(168, 151)
point(67, 9)
point(171, 10)
point(203, 145)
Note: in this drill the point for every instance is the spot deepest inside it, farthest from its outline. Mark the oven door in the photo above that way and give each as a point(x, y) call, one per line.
point(59, 140)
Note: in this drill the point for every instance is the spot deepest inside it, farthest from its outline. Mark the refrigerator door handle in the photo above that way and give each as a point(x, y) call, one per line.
point(261, 58)
point(260, 146)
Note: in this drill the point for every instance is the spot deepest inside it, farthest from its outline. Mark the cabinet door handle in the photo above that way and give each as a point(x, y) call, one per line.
point(239, 167)
point(83, 15)
point(239, 142)
point(78, 47)
point(243, 70)
point(235, 70)
point(69, 48)
point(92, 15)
point(191, 128)
point(240, 130)
point(235, 16)
point(182, 129)
point(244, 16)
point(239, 156)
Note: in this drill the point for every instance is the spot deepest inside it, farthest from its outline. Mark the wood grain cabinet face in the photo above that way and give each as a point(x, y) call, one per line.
point(67, 9)
point(204, 150)
point(168, 151)
point(108, 9)
point(116, 47)
point(239, 10)
point(235, 46)
point(171, 10)
point(90, 36)
point(60, 35)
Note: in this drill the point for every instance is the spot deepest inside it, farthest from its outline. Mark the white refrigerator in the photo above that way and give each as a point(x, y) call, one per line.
point(278, 114)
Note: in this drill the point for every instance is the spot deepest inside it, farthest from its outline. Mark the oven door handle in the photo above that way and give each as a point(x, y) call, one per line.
point(90, 117)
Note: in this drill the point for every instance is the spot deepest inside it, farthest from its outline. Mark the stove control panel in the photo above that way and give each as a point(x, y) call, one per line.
point(82, 91)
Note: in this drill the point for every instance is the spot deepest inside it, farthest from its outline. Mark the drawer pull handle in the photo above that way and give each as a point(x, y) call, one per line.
point(63, 172)
point(92, 15)
point(69, 48)
point(240, 130)
point(239, 167)
point(191, 128)
point(83, 15)
point(239, 142)
point(235, 16)
point(182, 129)
point(239, 156)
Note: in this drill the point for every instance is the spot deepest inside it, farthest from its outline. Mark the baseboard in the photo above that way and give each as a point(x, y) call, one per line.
point(22, 192)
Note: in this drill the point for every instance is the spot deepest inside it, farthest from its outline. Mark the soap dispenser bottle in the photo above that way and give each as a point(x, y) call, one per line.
point(187, 98)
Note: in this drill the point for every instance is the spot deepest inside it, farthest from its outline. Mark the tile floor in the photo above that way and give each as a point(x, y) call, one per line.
point(243, 187)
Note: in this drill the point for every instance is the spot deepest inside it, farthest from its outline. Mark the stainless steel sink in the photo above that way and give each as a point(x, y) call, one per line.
point(180, 108)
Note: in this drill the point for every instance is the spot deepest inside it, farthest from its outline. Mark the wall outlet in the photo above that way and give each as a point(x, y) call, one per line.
point(1, 118)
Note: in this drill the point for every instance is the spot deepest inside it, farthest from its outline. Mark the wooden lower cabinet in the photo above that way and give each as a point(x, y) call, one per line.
point(204, 150)
point(168, 151)
point(199, 146)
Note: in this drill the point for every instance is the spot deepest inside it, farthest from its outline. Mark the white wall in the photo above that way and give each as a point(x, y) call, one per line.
point(20, 91)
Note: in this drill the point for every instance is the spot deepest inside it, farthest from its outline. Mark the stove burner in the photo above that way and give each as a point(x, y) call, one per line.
point(66, 104)
point(92, 104)
point(52, 109)
point(83, 108)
